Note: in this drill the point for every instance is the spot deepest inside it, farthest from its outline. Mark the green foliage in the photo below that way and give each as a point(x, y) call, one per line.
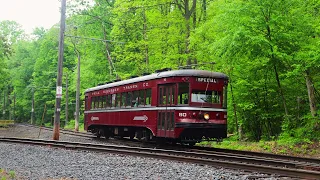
point(265, 47)
point(304, 130)
point(71, 124)
point(257, 42)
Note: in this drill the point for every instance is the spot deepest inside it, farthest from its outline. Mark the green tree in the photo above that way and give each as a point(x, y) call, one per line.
point(256, 41)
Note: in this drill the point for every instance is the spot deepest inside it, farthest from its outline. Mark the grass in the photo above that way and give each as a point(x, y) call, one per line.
point(305, 149)
point(4, 175)
point(71, 124)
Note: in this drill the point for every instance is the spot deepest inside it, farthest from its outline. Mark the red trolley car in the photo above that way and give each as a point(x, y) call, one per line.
point(179, 106)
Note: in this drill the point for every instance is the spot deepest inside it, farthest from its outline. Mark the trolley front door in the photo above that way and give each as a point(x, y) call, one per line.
point(166, 99)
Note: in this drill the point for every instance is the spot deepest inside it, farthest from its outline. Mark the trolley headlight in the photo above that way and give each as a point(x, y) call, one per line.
point(206, 116)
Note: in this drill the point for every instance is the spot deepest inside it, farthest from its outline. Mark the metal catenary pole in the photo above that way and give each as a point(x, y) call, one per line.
point(56, 127)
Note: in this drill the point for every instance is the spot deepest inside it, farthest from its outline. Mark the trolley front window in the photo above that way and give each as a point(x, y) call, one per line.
point(201, 96)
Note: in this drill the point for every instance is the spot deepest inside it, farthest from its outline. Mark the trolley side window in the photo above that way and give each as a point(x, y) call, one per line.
point(123, 99)
point(183, 93)
point(104, 101)
point(118, 100)
point(114, 100)
point(135, 99)
point(148, 97)
point(101, 101)
point(92, 103)
point(109, 103)
point(86, 103)
point(172, 96)
point(129, 99)
point(142, 98)
point(95, 102)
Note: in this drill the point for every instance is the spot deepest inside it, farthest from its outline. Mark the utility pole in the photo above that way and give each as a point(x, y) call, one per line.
point(67, 99)
point(14, 106)
point(76, 125)
point(4, 105)
point(9, 103)
point(32, 106)
point(56, 127)
point(76, 128)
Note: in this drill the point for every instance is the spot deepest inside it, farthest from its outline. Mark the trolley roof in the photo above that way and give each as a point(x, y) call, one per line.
point(165, 74)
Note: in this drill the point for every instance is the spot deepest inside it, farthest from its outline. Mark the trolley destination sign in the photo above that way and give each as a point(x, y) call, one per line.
point(201, 79)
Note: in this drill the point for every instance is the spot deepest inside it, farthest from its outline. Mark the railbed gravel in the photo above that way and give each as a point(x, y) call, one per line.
point(43, 162)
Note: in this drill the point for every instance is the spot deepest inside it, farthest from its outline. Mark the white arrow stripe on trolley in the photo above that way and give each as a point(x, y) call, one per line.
point(141, 118)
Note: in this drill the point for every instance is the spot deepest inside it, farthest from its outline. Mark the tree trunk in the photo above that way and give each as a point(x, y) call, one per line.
point(273, 59)
point(235, 110)
point(194, 20)
point(280, 90)
point(187, 13)
point(311, 94)
point(145, 38)
point(204, 7)
point(107, 51)
point(187, 37)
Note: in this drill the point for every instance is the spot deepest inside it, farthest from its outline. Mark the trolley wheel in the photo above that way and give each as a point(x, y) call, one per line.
point(106, 134)
point(148, 136)
point(139, 135)
point(132, 135)
point(99, 133)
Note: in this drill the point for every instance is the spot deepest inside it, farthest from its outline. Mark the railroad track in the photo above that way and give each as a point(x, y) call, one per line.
point(254, 157)
point(63, 131)
point(265, 165)
point(301, 162)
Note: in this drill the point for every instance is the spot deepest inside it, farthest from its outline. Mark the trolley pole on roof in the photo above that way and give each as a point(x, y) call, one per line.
point(56, 127)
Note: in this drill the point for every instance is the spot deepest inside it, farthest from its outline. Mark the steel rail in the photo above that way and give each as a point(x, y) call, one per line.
point(253, 157)
point(173, 155)
point(63, 131)
point(251, 153)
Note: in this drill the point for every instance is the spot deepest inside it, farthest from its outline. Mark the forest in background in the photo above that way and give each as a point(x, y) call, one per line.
point(270, 49)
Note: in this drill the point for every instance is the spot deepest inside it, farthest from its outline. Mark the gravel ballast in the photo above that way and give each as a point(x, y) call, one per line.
point(42, 162)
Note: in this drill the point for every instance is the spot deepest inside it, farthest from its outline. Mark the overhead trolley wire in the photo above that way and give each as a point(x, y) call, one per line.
point(94, 39)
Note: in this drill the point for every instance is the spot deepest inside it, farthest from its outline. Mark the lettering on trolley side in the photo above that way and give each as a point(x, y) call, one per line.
point(206, 80)
point(96, 93)
point(145, 84)
point(94, 118)
point(130, 87)
point(107, 91)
